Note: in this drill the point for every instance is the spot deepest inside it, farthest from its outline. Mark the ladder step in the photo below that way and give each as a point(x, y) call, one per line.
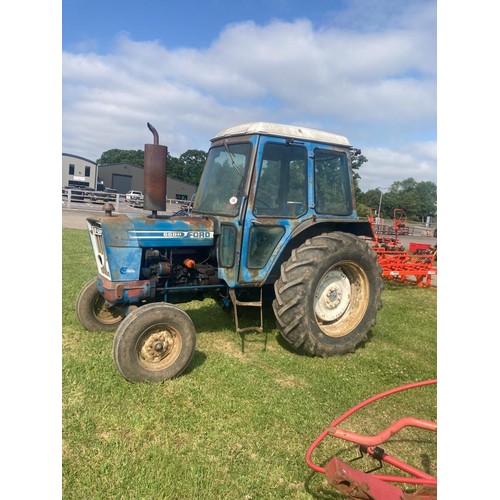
point(248, 304)
point(236, 303)
point(258, 329)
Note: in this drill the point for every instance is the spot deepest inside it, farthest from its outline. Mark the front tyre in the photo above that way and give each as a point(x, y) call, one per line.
point(154, 343)
point(93, 312)
point(328, 294)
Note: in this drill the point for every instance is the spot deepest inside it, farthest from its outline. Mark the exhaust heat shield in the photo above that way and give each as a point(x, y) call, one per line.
point(155, 175)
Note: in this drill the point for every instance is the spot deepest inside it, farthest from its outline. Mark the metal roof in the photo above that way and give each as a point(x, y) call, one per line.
point(291, 131)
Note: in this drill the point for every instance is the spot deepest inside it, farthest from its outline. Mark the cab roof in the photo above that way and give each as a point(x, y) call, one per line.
point(281, 130)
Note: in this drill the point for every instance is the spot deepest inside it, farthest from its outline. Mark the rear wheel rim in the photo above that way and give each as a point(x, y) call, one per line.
point(341, 299)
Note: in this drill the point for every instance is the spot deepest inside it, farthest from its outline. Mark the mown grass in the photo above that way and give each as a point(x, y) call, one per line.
point(234, 425)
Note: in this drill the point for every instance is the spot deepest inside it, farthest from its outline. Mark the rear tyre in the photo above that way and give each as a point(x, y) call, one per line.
point(154, 343)
point(93, 312)
point(328, 294)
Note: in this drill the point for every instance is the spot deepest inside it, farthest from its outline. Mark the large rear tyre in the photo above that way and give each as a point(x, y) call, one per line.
point(154, 343)
point(93, 312)
point(328, 294)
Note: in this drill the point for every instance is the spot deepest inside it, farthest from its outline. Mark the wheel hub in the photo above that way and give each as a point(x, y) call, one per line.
point(332, 296)
point(157, 347)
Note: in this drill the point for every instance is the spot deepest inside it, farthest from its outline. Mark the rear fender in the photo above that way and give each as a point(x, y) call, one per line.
point(309, 230)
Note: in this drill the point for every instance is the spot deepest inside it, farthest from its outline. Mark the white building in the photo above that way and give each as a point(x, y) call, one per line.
point(78, 171)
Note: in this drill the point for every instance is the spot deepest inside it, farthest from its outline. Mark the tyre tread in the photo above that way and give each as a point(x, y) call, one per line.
point(292, 290)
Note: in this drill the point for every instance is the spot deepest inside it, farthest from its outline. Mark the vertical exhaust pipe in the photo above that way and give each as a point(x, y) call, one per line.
point(155, 175)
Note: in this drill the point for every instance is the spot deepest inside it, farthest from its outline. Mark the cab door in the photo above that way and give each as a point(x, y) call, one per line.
point(278, 203)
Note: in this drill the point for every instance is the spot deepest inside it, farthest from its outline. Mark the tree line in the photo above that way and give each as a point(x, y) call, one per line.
point(417, 199)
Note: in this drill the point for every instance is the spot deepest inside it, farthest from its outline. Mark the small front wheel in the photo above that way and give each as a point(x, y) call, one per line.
point(154, 343)
point(93, 312)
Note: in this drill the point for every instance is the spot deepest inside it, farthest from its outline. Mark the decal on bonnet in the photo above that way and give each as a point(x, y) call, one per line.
point(197, 235)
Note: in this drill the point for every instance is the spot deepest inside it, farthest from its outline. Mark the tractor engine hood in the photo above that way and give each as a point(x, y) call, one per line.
point(173, 232)
point(139, 231)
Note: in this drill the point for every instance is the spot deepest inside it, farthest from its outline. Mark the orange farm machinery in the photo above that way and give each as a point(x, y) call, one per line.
point(404, 267)
point(416, 266)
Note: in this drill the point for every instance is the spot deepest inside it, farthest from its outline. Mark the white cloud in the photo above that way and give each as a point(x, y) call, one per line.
point(385, 166)
point(376, 86)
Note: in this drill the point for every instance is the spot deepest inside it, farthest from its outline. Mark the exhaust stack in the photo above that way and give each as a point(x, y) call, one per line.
point(155, 175)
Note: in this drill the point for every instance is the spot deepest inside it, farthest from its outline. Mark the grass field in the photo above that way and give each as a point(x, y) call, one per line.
point(234, 425)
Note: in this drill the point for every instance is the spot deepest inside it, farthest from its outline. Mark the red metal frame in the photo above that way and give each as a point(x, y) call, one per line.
point(389, 243)
point(398, 264)
point(362, 485)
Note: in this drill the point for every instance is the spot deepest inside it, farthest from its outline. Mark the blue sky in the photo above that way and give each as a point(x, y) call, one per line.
point(362, 68)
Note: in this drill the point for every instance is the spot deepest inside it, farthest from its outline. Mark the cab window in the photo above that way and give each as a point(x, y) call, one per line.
point(332, 189)
point(282, 184)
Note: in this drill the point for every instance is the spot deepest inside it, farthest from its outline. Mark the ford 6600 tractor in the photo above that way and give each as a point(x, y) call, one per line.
point(274, 218)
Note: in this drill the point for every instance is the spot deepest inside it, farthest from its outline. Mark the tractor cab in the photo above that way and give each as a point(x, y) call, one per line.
point(267, 184)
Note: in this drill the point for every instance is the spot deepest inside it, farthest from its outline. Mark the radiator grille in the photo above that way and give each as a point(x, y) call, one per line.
point(95, 231)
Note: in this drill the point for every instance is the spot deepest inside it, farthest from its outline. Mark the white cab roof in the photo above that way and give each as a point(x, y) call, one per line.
point(292, 131)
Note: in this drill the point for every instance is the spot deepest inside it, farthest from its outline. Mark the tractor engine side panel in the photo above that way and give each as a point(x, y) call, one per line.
point(140, 257)
point(118, 241)
point(124, 263)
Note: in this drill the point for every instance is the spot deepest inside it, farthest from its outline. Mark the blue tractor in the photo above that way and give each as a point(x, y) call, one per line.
point(274, 221)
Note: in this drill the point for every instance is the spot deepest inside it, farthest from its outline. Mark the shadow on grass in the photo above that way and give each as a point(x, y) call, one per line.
point(198, 359)
point(212, 317)
point(286, 345)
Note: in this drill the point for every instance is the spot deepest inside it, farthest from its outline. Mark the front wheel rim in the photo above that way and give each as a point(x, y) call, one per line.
point(159, 347)
point(105, 314)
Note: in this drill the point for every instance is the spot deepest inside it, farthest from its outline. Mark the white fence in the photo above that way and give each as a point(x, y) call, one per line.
point(94, 200)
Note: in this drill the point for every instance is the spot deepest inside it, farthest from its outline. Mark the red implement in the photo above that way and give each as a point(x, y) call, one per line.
point(415, 267)
point(404, 267)
point(356, 484)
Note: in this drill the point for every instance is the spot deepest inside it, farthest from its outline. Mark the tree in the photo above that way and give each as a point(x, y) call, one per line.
point(427, 194)
point(370, 199)
point(417, 199)
point(188, 167)
point(130, 156)
point(357, 159)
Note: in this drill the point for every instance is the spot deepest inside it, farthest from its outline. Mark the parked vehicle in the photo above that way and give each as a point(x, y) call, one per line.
point(274, 219)
point(134, 195)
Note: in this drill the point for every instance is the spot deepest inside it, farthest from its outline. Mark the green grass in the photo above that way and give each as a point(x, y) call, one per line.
point(234, 425)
